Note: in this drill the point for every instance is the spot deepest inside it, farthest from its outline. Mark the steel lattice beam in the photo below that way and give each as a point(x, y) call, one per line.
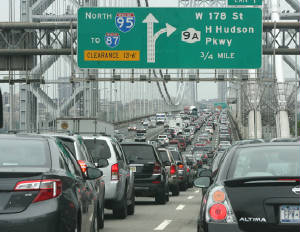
point(285, 39)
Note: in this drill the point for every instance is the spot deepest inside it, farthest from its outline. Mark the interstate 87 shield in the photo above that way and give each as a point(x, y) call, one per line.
point(170, 38)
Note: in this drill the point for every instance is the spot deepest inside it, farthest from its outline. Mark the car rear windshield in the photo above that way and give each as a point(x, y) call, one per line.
point(176, 155)
point(99, 149)
point(24, 153)
point(139, 153)
point(163, 155)
point(266, 161)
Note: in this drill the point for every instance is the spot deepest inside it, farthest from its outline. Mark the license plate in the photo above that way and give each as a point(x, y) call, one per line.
point(133, 169)
point(290, 214)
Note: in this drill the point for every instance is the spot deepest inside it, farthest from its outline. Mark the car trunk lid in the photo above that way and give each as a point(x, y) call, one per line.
point(265, 204)
point(12, 201)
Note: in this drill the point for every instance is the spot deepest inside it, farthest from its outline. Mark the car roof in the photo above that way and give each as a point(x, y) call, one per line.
point(24, 136)
point(60, 135)
point(136, 143)
point(98, 137)
point(270, 144)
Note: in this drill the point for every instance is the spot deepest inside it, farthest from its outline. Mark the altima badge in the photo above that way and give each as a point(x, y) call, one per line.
point(296, 190)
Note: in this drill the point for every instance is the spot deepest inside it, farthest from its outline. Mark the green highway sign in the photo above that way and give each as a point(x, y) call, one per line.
point(226, 38)
point(222, 105)
point(244, 2)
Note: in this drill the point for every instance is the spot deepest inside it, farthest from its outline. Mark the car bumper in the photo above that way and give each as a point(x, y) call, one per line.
point(113, 190)
point(149, 190)
point(43, 216)
point(220, 227)
point(173, 180)
point(181, 177)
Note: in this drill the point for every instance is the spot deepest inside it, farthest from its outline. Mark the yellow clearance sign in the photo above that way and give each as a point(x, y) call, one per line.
point(102, 55)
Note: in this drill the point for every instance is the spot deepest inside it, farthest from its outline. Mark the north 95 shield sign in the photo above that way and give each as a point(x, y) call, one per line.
point(125, 21)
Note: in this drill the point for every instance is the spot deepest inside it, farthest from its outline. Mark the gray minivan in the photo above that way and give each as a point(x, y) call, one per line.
point(119, 179)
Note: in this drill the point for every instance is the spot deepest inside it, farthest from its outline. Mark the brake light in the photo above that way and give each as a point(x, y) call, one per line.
point(156, 182)
point(173, 169)
point(82, 165)
point(218, 212)
point(180, 166)
point(219, 209)
point(188, 170)
point(115, 172)
point(48, 189)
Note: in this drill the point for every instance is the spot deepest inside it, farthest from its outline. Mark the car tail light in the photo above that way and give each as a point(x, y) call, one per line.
point(180, 166)
point(115, 172)
point(156, 182)
point(173, 169)
point(156, 168)
point(83, 166)
point(48, 189)
point(218, 212)
point(188, 170)
point(219, 209)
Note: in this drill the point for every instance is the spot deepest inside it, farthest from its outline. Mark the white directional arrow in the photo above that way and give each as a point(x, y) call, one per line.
point(151, 38)
point(169, 29)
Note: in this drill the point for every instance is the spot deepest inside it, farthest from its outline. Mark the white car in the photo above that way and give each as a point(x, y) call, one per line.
point(164, 138)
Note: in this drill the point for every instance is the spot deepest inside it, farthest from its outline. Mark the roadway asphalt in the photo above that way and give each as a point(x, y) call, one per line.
point(178, 215)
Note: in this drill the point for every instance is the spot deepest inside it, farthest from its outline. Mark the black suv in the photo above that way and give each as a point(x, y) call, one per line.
point(151, 178)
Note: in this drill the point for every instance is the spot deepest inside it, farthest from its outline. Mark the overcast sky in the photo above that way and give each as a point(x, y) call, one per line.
point(205, 90)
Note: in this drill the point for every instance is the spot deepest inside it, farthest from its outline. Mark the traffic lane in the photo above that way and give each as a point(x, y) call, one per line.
point(178, 215)
point(150, 133)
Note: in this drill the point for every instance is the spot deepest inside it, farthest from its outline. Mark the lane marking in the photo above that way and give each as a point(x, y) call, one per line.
point(197, 191)
point(91, 218)
point(180, 207)
point(163, 225)
point(190, 197)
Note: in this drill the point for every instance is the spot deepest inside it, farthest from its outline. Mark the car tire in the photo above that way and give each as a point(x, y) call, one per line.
point(101, 218)
point(95, 227)
point(183, 187)
point(176, 191)
point(78, 225)
point(120, 211)
point(131, 207)
point(160, 198)
point(167, 194)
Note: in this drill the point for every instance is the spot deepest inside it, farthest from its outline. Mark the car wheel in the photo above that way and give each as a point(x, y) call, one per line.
point(175, 191)
point(131, 207)
point(167, 194)
point(101, 218)
point(160, 198)
point(95, 222)
point(77, 227)
point(120, 211)
point(183, 187)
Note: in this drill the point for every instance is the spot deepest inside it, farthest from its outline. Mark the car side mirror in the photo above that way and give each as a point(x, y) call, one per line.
point(167, 163)
point(93, 173)
point(202, 182)
point(205, 173)
point(102, 163)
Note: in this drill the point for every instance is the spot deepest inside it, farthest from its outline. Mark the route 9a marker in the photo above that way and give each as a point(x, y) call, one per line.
point(226, 38)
